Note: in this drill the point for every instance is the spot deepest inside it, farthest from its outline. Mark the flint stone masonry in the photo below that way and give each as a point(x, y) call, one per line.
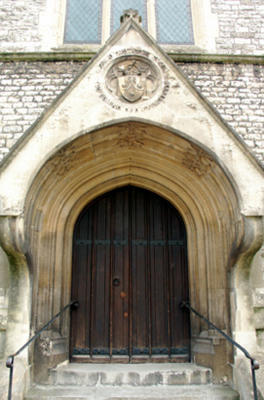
point(236, 91)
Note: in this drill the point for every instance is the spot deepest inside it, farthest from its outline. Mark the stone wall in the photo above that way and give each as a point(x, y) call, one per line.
point(26, 89)
point(19, 21)
point(240, 24)
point(4, 295)
point(236, 91)
point(25, 25)
point(257, 283)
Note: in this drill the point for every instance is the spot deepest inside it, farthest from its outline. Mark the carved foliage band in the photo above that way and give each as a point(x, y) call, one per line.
point(130, 135)
point(197, 161)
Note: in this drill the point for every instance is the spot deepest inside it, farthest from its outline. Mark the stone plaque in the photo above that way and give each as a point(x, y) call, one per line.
point(132, 80)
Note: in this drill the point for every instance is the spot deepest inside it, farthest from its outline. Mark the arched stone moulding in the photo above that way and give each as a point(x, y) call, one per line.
point(148, 156)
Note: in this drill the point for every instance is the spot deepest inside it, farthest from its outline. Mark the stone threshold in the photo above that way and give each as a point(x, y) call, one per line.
point(130, 374)
point(206, 392)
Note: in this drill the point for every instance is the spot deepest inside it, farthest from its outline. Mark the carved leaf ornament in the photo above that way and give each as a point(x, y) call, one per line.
point(131, 136)
point(197, 161)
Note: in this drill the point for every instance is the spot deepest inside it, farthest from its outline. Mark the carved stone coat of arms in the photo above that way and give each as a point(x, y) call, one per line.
point(132, 80)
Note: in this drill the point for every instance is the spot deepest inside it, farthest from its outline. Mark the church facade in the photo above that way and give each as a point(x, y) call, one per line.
point(132, 180)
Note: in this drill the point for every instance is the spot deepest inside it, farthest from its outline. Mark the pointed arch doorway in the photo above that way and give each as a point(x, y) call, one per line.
point(129, 274)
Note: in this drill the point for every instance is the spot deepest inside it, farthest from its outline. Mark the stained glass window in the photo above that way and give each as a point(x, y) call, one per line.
point(174, 22)
point(83, 21)
point(118, 6)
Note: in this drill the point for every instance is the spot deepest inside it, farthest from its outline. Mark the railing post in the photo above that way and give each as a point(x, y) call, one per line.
point(10, 365)
point(10, 361)
point(254, 363)
point(254, 366)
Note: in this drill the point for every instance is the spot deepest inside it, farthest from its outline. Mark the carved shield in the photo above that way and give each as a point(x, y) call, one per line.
point(133, 79)
point(132, 87)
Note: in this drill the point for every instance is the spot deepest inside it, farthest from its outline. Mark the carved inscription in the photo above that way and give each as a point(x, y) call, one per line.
point(197, 161)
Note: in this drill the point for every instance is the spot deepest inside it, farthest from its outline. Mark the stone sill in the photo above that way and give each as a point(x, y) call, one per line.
point(86, 56)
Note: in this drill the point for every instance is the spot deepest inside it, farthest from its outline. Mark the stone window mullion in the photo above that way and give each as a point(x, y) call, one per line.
point(106, 17)
point(151, 18)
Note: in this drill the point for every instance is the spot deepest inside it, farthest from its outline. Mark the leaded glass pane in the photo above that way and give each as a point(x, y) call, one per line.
point(118, 6)
point(174, 22)
point(83, 21)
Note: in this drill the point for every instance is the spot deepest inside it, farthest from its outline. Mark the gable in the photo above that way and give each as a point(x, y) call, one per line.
point(131, 78)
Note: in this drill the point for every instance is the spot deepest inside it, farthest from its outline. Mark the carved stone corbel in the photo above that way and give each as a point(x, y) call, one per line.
point(250, 242)
point(12, 235)
point(241, 288)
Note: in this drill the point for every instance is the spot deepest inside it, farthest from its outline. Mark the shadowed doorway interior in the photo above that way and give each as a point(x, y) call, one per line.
point(129, 274)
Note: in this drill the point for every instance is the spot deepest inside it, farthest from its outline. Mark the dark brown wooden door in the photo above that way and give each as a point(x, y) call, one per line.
point(129, 275)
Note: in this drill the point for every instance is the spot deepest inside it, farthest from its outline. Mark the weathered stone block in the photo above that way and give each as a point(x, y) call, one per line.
point(151, 379)
point(260, 337)
point(259, 318)
point(177, 378)
point(258, 297)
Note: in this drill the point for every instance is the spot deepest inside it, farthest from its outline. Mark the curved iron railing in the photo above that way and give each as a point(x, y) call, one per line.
point(10, 360)
point(254, 363)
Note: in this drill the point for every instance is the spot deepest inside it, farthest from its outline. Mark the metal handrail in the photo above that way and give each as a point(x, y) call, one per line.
point(254, 363)
point(10, 360)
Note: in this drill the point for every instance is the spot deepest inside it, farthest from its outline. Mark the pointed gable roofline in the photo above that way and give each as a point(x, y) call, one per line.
point(98, 98)
point(128, 24)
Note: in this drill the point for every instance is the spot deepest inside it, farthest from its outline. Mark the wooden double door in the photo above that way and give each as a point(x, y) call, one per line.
point(129, 274)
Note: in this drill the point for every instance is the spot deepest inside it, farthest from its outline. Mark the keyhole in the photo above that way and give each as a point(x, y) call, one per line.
point(116, 282)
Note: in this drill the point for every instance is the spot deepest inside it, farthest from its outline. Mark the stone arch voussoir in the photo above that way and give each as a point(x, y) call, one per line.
point(151, 157)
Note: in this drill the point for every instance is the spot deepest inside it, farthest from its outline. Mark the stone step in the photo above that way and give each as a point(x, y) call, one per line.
point(130, 374)
point(183, 392)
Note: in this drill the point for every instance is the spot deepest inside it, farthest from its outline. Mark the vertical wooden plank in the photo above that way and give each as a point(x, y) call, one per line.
point(178, 276)
point(158, 278)
point(100, 293)
point(91, 270)
point(82, 254)
point(120, 277)
point(168, 289)
point(148, 277)
point(138, 239)
point(110, 283)
point(130, 277)
point(139, 249)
